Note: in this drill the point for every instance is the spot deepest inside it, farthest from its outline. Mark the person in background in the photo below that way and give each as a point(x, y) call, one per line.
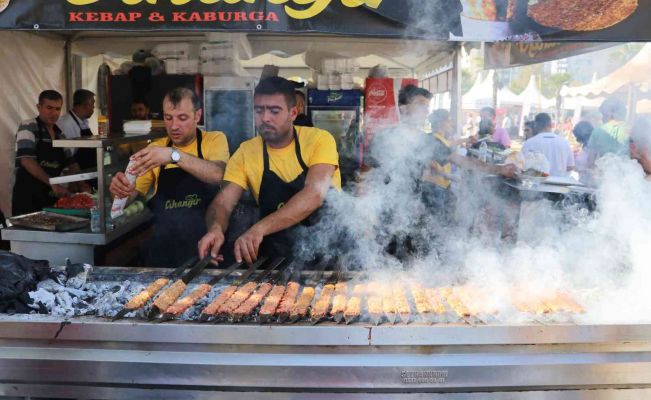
point(37, 160)
point(612, 136)
point(184, 170)
point(556, 149)
point(74, 124)
point(488, 127)
point(529, 130)
point(640, 144)
point(288, 169)
point(582, 132)
point(302, 119)
point(139, 110)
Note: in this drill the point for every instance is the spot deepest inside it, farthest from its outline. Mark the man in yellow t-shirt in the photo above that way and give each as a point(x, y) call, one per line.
point(288, 170)
point(183, 171)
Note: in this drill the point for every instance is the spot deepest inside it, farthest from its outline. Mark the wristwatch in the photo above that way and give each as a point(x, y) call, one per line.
point(176, 156)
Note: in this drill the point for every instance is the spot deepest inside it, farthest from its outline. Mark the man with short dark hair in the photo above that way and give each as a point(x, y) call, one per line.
point(288, 169)
point(74, 124)
point(37, 160)
point(612, 136)
point(184, 171)
point(139, 110)
point(556, 149)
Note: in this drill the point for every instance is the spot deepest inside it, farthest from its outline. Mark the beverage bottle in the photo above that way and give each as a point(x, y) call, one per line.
point(483, 152)
point(102, 126)
point(95, 223)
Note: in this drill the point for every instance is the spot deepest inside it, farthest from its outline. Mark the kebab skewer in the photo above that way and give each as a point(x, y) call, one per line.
point(339, 301)
point(374, 302)
point(246, 309)
point(214, 309)
point(402, 304)
point(272, 302)
point(172, 293)
point(299, 311)
point(180, 306)
point(141, 299)
point(354, 304)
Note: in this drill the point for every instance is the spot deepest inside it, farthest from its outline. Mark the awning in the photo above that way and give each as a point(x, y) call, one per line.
point(634, 72)
point(464, 20)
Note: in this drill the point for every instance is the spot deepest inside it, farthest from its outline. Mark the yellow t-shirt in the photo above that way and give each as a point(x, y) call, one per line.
point(246, 166)
point(214, 147)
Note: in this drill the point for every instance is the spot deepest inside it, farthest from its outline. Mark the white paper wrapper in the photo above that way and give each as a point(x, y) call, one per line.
point(118, 204)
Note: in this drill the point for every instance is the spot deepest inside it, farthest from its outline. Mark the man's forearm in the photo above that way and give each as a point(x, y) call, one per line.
point(298, 208)
point(206, 171)
point(217, 218)
point(35, 170)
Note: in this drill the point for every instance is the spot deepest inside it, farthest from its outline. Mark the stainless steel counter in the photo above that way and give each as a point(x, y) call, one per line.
point(94, 358)
point(77, 245)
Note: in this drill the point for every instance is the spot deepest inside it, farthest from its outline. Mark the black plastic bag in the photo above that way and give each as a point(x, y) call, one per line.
point(18, 276)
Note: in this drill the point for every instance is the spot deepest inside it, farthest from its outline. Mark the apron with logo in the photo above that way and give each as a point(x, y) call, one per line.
point(274, 193)
point(179, 208)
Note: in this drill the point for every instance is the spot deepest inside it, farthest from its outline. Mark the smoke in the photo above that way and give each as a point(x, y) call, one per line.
point(600, 256)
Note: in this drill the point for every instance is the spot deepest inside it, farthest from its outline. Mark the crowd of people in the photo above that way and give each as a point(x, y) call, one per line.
point(192, 184)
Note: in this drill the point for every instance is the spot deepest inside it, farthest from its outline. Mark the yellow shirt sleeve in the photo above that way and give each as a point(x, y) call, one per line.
point(235, 170)
point(324, 151)
point(144, 182)
point(215, 147)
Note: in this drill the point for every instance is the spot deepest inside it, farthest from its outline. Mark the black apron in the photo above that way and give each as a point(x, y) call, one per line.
point(274, 193)
point(179, 208)
point(86, 158)
point(30, 194)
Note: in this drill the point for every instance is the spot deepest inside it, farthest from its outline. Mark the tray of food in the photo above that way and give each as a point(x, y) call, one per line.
point(79, 204)
point(47, 221)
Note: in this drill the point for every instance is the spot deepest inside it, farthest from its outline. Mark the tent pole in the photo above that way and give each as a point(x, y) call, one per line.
point(68, 72)
point(455, 90)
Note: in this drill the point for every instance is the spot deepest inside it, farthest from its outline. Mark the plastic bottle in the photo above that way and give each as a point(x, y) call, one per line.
point(95, 223)
point(483, 152)
point(102, 126)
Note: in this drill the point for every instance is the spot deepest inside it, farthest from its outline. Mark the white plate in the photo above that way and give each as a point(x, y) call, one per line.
point(4, 4)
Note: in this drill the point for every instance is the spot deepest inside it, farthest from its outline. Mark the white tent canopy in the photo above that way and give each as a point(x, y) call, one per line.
point(635, 72)
point(532, 96)
point(480, 94)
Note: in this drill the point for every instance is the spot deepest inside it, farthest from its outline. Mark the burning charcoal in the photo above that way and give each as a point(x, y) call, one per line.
point(73, 269)
point(322, 305)
point(51, 286)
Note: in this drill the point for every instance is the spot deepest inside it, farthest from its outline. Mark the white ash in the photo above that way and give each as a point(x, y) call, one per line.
point(75, 296)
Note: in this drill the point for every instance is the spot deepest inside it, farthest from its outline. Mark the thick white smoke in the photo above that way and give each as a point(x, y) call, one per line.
point(602, 257)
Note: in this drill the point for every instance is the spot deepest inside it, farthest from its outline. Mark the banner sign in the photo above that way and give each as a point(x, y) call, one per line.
point(508, 55)
point(468, 20)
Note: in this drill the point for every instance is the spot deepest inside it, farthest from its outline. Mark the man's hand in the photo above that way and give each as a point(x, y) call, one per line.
point(211, 242)
point(84, 187)
point(120, 187)
point(149, 158)
point(248, 245)
point(508, 170)
point(60, 191)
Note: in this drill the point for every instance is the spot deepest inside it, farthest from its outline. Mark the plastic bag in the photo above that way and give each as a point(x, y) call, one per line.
point(18, 276)
point(535, 162)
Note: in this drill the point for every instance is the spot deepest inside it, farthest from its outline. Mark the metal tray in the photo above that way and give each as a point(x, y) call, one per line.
point(55, 222)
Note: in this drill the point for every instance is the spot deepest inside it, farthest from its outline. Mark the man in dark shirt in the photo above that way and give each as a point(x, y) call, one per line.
point(302, 119)
point(37, 160)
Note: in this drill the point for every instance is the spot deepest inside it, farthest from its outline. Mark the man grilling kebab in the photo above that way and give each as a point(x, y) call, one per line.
point(288, 169)
point(183, 170)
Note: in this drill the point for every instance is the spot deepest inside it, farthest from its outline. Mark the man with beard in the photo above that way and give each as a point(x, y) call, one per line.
point(288, 169)
point(184, 171)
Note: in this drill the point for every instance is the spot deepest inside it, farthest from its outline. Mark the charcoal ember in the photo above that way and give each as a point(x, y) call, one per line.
point(50, 286)
point(42, 298)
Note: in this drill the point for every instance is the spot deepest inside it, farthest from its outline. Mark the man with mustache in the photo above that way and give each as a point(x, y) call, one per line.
point(184, 171)
point(287, 168)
